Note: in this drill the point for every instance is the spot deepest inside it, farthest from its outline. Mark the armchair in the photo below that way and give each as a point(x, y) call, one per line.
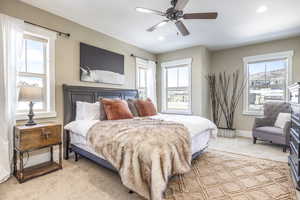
point(264, 129)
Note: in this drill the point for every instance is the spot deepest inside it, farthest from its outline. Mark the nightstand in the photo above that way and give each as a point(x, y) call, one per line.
point(31, 138)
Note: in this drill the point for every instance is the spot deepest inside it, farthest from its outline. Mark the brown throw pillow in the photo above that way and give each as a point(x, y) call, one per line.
point(116, 109)
point(145, 107)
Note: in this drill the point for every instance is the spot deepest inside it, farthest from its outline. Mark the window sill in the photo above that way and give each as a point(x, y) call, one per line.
point(255, 114)
point(38, 115)
point(177, 112)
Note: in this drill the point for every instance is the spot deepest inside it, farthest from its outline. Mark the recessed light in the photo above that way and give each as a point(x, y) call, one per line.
point(161, 38)
point(262, 9)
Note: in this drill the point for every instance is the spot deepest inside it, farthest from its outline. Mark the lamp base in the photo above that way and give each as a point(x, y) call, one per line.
point(30, 121)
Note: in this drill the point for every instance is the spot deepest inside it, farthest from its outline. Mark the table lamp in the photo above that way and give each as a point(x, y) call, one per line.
point(31, 94)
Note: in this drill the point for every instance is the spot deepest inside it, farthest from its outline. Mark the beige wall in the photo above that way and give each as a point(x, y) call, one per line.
point(232, 59)
point(67, 50)
point(200, 68)
point(204, 61)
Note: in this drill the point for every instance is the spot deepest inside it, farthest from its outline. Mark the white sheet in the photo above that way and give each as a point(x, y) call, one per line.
point(194, 124)
point(80, 127)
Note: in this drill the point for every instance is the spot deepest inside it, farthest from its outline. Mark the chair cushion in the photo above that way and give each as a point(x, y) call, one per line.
point(282, 119)
point(270, 130)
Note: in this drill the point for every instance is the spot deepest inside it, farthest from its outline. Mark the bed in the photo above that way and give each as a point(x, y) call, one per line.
point(200, 129)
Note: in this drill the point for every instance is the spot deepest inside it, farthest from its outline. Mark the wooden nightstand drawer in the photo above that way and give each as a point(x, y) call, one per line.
point(36, 137)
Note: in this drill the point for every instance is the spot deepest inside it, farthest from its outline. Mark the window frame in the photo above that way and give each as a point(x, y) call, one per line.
point(42, 76)
point(263, 58)
point(49, 79)
point(139, 71)
point(175, 64)
point(141, 64)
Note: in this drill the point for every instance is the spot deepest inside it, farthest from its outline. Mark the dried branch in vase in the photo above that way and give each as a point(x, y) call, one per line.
point(215, 105)
point(230, 93)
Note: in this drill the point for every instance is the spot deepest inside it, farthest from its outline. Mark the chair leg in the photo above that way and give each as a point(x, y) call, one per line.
point(284, 149)
point(76, 157)
point(254, 140)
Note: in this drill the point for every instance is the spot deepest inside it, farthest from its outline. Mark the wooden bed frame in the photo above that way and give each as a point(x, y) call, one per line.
point(91, 95)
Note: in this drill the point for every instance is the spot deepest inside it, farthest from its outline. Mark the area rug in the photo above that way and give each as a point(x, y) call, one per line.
point(226, 176)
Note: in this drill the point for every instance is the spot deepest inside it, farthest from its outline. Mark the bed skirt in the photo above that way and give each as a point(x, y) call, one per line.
point(105, 163)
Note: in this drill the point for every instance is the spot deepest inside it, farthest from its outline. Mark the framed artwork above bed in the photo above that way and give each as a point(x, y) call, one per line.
point(101, 66)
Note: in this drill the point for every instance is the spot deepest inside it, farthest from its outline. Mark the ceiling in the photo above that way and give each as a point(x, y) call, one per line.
point(238, 22)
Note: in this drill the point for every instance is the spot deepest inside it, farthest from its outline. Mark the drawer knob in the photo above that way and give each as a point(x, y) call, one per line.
point(45, 133)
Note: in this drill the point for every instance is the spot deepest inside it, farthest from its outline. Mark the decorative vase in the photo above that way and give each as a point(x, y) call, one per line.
point(226, 132)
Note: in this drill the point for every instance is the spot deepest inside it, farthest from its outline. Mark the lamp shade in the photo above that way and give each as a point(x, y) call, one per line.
point(31, 93)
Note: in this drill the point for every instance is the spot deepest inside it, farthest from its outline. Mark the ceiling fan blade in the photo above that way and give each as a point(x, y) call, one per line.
point(158, 25)
point(150, 11)
point(182, 28)
point(180, 4)
point(212, 15)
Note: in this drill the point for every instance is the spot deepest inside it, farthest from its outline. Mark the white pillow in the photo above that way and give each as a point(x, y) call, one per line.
point(87, 111)
point(282, 119)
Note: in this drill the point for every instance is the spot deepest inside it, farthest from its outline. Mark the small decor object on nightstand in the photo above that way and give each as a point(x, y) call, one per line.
point(31, 94)
point(31, 138)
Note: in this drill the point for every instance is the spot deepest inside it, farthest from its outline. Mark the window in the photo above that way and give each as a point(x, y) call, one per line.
point(267, 79)
point(142, 81)
point(32, 70)
point(37, 68)
point(145, 79)
point(176, 91)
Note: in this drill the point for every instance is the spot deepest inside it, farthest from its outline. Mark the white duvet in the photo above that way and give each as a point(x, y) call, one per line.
point(195, 124)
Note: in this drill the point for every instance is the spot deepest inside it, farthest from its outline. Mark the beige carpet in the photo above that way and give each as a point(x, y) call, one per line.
point(215, 175)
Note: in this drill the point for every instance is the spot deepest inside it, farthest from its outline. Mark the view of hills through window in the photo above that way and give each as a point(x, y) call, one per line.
point(267, 82)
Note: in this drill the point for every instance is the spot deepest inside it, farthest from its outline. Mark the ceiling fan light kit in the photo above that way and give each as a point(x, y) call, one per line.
point(175, 14)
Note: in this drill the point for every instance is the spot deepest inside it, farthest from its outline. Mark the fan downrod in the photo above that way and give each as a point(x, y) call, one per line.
point(173, 3)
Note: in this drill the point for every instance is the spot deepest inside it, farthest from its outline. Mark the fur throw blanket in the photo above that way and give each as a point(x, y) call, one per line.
point(146, 152)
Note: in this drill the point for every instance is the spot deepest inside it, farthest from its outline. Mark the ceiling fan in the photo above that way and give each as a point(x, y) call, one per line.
point(175, 14)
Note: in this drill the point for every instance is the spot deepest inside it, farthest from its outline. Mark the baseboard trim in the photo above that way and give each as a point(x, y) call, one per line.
point(244, 133)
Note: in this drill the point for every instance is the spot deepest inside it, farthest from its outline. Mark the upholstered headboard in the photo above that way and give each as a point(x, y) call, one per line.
point(88, 94)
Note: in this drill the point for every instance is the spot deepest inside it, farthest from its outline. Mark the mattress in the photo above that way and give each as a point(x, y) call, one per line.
point(199, 142)
point(201, 130)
